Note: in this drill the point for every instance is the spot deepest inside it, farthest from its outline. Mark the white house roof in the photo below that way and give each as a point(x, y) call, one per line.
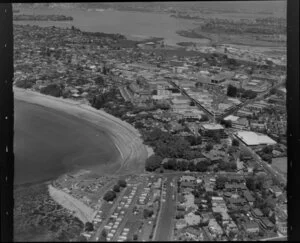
point(252, 138)
point(212, 126)
point(231, 118)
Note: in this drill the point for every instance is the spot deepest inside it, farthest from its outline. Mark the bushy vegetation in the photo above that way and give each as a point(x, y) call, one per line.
point(122, 183)
point(109, 196)
point(26, 84)
point(233, 91)
point(147, 213)
point(89, 226)
point(116, 188)
point(52, 89)
point(153, 163)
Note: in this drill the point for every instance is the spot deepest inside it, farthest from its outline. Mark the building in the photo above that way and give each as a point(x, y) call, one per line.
point(179, 105)
point(241, 124)
point(214, 227)
point(249, 197)
point(251, 227)
point(211, 130)
point(266, 224)
point(275, 190)
point(252, 139)
point(218, 79)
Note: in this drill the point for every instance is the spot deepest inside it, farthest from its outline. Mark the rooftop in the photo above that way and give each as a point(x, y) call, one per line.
point(252, 138)
point(212, 126)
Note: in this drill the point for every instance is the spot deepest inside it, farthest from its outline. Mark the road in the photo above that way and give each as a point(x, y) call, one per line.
point(231, 111)
point(128, 212)
point(278, 238)
point(167, 214)
point(260, 96)
point(104, 222)
point(183, 92)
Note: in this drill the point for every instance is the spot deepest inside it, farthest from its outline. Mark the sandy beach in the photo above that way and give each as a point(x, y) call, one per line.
point(81, 211)
point(126, 138)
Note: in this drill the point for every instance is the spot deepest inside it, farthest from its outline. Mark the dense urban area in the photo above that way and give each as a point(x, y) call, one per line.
point(215, 117)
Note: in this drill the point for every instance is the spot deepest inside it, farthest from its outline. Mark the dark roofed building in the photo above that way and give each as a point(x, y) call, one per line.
point(249, 197)
point(266, 224)
point(251, 227)
point(257, 213)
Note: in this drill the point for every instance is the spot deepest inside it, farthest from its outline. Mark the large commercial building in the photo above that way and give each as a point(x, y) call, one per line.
point(212, 130)
point(253, 139)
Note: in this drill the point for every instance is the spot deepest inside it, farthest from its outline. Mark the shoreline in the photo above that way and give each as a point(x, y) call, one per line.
point(125, 138)
point(133, 153)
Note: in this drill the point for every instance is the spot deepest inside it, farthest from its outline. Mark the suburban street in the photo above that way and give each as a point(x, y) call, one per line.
point(104, 222)
point(167, 215)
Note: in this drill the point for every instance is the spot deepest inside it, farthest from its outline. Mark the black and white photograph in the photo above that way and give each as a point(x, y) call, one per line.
point(149, 121)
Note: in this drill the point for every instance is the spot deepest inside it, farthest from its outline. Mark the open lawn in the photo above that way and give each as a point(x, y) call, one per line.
point(280, 164)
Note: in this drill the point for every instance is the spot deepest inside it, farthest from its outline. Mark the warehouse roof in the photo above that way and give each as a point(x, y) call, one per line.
point(252, 138)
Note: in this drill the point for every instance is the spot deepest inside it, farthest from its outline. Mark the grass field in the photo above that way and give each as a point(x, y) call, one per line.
point(280, 164)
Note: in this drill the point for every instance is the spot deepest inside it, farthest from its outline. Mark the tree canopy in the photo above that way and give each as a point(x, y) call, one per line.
point(153, 162)
point(122, 183)
point(232, 91)
point(109, 196)
point(116, 188)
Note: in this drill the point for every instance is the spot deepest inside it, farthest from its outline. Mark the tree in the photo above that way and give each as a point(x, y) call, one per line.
point(109, 196)
point(147, 213)
point(191, 166)
point(204, 118)
point(153, 162)
point(122, 183)
point(220, 182)
point(267, 149)
point(273, 91)
point(89, 226)
point(52, 89)
point(235, 142)
point(202, 166)
point(81, 238)
point(267, 158)
point(171, 164)
point(116, 188)
point(98, 101)
point(182, 165)
point(231, 91)
point(208, 147)
point(250, 183)
point(99, 80)
point(216, 138)
point(103, 235)
point(226, 123)
point(27, 84)
point(139, 125)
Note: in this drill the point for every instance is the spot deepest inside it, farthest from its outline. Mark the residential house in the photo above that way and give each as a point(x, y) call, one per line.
point(251, 227)
point(249, 197)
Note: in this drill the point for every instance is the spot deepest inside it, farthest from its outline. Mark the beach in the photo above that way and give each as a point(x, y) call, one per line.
point(125, 138)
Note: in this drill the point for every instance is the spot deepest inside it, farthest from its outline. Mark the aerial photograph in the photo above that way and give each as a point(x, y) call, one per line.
point(150, 121)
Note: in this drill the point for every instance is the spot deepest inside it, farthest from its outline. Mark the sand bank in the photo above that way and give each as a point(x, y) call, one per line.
point(81, 211)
